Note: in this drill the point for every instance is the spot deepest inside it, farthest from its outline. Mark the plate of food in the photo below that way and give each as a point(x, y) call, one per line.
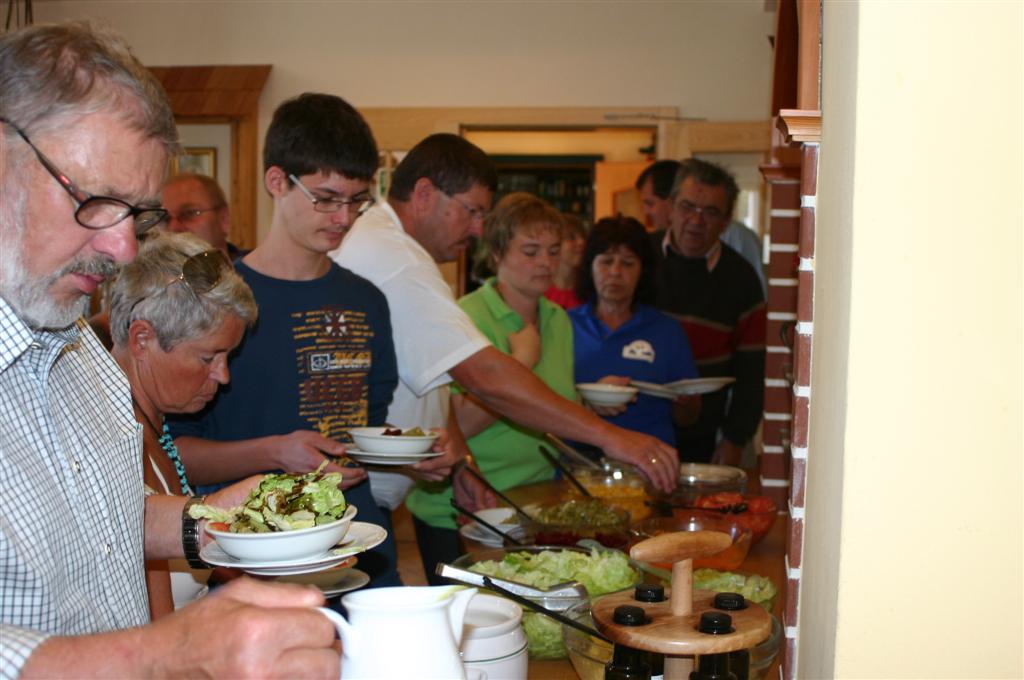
point(392, 440)
point(362, 536)
point(285, 517)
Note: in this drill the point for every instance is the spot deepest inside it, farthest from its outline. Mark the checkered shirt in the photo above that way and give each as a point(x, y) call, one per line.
point(71, 491)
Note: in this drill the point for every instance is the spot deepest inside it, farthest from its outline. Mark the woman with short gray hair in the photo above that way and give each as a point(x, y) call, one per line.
point(176, 313)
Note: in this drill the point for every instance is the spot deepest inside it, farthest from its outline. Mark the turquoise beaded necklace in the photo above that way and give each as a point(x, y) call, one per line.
point(167, 444)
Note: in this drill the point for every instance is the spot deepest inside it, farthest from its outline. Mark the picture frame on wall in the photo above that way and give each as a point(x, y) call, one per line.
point(198, 160)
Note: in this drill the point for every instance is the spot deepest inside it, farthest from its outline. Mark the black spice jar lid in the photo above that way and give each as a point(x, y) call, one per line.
point(628, 615)
point(650, 592)
point(715, 623)
point(729, 601)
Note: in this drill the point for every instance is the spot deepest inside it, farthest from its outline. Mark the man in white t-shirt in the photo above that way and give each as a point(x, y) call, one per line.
point(439, 195)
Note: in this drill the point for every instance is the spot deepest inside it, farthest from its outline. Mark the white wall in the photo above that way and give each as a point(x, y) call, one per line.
point(913, 545)
point(710, 58)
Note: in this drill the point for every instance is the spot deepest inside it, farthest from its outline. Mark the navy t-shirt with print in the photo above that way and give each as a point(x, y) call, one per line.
point(320, 357)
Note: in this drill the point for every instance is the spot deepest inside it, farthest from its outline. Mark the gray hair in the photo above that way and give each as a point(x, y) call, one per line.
point(147, 288)
point(705, 172)
point(51, 73)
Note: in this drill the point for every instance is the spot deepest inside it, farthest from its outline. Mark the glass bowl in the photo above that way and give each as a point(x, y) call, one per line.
point(762, 655)
point(589, 654)
point(701, 520)
point(701, 479)
point(545, 641)
point(619, 484)
point(611, 532)
point(757, 513)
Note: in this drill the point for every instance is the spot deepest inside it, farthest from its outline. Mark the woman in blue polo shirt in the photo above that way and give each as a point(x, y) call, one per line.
point(617, 338)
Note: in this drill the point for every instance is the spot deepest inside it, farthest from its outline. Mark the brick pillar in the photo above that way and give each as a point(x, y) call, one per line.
point(783, 258)
point(801, 402)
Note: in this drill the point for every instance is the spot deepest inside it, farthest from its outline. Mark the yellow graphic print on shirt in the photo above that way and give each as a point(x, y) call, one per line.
point(333, 360)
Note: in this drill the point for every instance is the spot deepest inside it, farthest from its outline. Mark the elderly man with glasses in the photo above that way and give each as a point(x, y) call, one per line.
point(197, 204)
point(85, 134)
point(717, 297)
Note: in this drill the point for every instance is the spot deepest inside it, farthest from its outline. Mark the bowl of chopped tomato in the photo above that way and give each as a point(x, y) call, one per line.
point(757, 513)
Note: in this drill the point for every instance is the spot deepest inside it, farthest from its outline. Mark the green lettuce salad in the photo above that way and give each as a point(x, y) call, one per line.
point(282, 502)
point(601, 571)
point(759, 589)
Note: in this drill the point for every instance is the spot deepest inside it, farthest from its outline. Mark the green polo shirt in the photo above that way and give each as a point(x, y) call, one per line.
point(505, 452)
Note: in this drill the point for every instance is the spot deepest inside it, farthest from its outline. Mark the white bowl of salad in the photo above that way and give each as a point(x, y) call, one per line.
point(286, 518)
point(393, 440)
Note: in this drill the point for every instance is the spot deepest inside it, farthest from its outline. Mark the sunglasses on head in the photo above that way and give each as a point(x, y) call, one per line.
point(200, 273)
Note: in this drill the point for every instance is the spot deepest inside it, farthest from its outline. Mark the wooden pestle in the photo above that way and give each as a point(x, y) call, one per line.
point(679, 549)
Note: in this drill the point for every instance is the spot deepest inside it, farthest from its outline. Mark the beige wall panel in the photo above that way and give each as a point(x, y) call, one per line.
point(914, 512)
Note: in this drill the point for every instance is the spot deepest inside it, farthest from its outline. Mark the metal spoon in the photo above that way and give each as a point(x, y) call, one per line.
point(569, 591)
point(557, 464)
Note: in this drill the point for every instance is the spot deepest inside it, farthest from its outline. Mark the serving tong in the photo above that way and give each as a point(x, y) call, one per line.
point(561, 595)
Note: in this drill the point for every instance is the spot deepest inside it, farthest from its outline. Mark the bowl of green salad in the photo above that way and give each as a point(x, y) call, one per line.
point(287, 517)
point(601, 571)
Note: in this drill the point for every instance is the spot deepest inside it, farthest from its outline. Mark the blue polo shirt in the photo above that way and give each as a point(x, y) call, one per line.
point(649, 347)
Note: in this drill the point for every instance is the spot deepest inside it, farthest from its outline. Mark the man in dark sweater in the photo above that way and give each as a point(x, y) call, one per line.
point(717, 297)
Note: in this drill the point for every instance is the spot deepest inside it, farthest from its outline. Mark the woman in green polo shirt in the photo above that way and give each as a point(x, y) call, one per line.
point(521, 240)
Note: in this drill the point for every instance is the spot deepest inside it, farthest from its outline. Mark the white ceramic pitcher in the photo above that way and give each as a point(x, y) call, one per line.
point(402, 632)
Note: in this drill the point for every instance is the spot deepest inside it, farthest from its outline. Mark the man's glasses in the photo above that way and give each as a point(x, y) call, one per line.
point(191, 213)
point(97, 212)
point(200, 273)
point(359, 204)
point(689, 210)
point(474, 212)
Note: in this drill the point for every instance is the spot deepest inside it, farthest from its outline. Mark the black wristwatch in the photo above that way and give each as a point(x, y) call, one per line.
point(190, 535)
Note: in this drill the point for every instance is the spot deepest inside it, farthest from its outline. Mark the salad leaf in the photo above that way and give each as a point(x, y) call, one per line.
point(601, 571)
point(759, 589)
point(283, 502)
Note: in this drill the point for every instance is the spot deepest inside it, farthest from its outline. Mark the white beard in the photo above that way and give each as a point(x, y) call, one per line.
point(30, 297)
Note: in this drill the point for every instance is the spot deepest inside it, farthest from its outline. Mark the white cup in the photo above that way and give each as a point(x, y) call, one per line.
point(493, 640)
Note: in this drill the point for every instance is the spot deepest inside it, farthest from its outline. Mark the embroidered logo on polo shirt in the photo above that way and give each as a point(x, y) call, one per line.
point(640, 350)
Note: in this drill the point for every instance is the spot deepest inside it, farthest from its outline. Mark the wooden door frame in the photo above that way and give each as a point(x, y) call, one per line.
point(225, 94)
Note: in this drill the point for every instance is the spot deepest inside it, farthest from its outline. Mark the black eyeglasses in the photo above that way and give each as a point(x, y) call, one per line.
point(200, 272)
point(97, 212)
point(359, 204)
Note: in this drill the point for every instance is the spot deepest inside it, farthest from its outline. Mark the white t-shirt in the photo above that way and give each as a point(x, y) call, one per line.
point(431, 332)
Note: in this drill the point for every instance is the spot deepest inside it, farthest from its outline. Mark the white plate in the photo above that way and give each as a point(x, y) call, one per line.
point(331, 582)
point(361, 537)
point(389, 458)
point(699, 385)
point(653, 389)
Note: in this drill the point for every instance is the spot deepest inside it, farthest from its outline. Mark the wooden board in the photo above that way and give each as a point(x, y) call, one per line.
point(678, 635)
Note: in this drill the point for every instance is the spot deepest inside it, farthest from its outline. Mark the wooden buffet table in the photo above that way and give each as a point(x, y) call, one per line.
point(767, 558)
